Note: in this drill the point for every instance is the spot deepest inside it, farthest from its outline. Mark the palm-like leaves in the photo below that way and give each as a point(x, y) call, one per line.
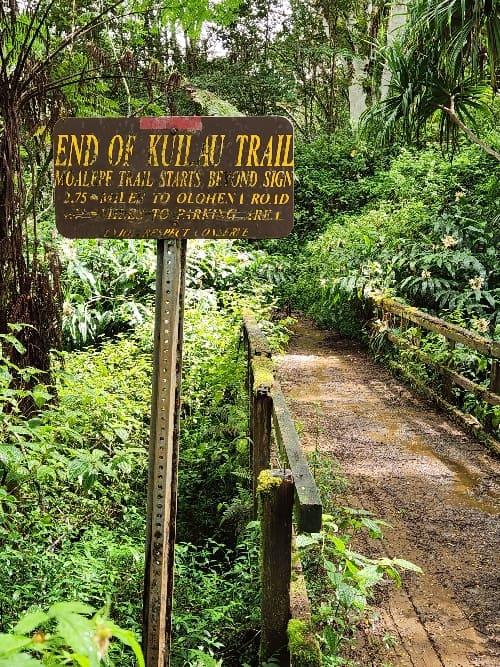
point(32, 80)
point(440, 69)
point(468, 29)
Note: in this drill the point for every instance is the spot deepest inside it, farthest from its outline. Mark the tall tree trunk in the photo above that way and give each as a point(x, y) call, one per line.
point(29, 288)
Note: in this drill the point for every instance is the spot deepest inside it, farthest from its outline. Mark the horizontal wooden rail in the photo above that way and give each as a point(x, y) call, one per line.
point(277, 492)
point(258, 345)
point(453, 334)
point(267, 400)
point(450, 331)
point(308, 502)
point(481, 392)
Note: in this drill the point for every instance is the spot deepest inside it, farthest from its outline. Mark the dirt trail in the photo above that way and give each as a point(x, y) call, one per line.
point(438, 488)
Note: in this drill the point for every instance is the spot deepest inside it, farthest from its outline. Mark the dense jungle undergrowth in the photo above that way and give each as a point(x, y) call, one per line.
point(405, 202)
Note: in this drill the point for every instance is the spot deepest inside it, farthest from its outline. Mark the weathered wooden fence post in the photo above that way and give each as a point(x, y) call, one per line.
point(261, 411)
point(260, 380)
point(276, 494)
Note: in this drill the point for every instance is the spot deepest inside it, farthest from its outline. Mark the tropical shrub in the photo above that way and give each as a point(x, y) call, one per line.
point(64, 635)
point(427, 234)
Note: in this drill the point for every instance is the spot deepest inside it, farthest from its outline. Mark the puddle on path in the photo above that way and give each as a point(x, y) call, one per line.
point(465, 482)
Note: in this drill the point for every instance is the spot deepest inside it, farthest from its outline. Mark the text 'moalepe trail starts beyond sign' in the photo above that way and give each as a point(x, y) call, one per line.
point(174, 177)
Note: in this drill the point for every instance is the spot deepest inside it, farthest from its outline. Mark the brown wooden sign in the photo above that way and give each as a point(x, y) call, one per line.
point(174, 177)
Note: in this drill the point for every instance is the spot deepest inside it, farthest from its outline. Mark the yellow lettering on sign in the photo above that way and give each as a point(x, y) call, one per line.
point(241, 140)
point(277, 152)
point(267, 157)
point(120, 150)
point(76, 149)
point(165, 150)
point(286, 157)
point(211, 153)
point(252, 151)
point(183, 149)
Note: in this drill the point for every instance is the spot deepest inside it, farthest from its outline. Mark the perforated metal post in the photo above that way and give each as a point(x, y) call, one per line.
point(163, 452)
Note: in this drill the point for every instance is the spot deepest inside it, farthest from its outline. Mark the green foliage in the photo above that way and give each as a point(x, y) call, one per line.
point(213, 105)
point(193, 14)
point(108, 287)
point(73, 474)
point(64, 635)
point(248, 74)
point(303, 651)
point(426, 233)
point(328, 182)
point(469, 363)
point(342, 581)
point(444, 69)
point(216, 601)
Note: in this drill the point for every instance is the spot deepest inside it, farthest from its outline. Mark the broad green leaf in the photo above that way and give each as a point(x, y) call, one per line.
point(29, 622)
point(15, 342)
point(128, 638)
point(369, 576)
point(407, 565)
point(373, 527)
point(41, 395)
point(350, 596)
point(78, 633)
point(305, 541)
point(338, 543)
point(12, 644)
point(61, 608)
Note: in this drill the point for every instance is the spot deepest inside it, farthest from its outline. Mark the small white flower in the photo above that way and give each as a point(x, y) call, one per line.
point(481, 324)
point(425, 274)
point(322, 282)
point(67, 309)
point(459, 194)
point(449, 241)
point(476, 283)
point(381, 325)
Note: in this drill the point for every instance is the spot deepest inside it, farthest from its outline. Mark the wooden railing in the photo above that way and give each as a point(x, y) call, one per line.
point(281, 481)
point(396, 315)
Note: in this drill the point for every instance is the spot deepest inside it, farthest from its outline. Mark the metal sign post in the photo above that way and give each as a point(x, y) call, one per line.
point(164, 451)
point(171, 179)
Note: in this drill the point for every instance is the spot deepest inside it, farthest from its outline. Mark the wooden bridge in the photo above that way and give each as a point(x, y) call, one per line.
point(447, 474)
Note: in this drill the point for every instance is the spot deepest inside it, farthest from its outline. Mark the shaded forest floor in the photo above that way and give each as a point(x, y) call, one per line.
point(412, 467)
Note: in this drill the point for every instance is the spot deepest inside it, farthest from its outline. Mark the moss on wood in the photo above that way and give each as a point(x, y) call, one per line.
point(303, 647)
point(267, 481)
point(263, 374)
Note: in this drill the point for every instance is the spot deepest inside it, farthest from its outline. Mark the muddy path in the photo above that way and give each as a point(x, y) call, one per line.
point(437, 487)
